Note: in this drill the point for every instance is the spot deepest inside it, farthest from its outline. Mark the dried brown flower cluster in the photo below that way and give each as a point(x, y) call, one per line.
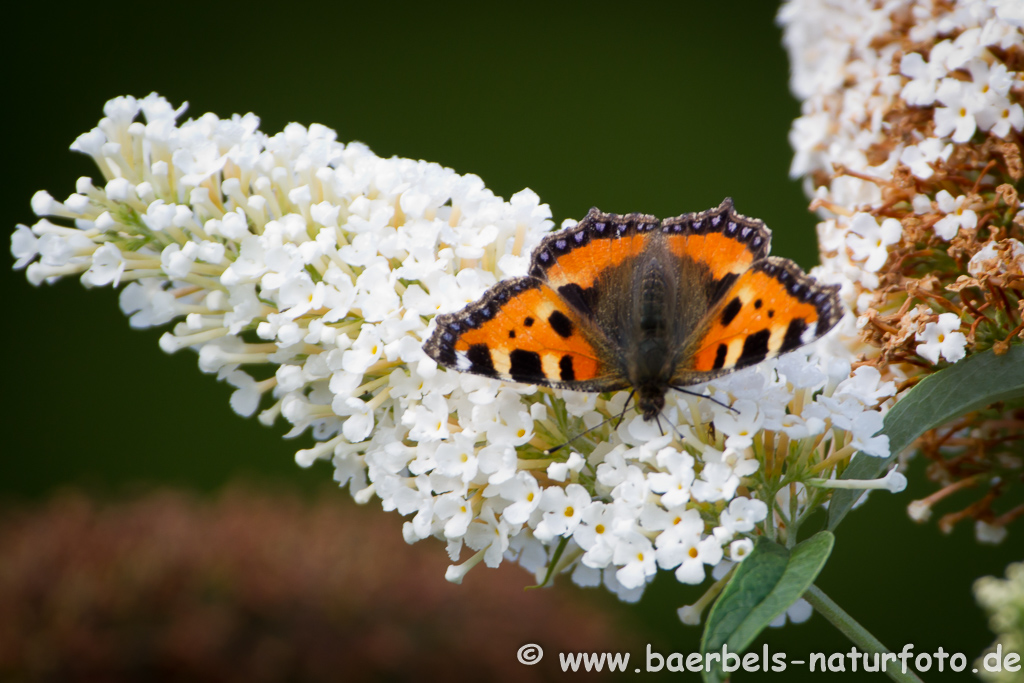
point(977, 275)
point(258, 587)
point(910, 142)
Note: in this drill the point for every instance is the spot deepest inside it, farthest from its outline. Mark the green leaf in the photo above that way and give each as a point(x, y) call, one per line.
point(974, 383)
point(765, 584)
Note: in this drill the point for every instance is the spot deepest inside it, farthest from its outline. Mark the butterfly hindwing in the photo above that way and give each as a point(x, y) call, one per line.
point(572, 261)
point(720, 241)
point(771, 308)
point(523, 331)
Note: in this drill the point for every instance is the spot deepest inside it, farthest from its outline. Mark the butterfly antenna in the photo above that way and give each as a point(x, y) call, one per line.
point(707, 396)
point(676, 430)
point(587, 431)
point(583, 433)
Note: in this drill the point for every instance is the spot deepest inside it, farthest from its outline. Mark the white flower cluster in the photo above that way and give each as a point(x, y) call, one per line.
point(850, 74)
point(1003, 600)
point(306, 273)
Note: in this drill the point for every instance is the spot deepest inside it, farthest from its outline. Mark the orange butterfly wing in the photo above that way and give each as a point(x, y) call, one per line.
point(523, 331)
point(771, 308)
point(724, 242)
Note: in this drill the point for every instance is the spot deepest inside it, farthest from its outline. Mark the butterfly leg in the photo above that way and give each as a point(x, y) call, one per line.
point(625, 406)
point(657, 418)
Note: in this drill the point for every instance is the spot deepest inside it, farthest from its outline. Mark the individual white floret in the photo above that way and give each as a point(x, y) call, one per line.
point(942, 339)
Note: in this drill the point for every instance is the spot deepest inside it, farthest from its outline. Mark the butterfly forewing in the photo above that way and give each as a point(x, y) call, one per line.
point(523, 331)
point(770, 309)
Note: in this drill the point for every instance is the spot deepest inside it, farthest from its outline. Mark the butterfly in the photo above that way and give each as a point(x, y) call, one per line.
point(632, 302)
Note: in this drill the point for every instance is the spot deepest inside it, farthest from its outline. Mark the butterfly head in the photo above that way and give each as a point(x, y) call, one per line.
point(650, 400)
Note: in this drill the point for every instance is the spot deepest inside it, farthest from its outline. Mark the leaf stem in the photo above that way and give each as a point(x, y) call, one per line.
point(857, 634)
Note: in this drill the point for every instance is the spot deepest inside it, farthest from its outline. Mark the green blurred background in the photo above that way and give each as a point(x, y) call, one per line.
point(624, 106)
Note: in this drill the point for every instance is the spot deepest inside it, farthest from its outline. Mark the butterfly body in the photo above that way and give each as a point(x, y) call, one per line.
point(632, 302)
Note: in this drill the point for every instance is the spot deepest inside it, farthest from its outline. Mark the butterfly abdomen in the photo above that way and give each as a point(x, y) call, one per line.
point(656, 288)
point(654, 295)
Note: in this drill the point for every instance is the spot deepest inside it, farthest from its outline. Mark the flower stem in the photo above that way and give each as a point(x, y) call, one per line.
point(840, 455)
point(857, 634)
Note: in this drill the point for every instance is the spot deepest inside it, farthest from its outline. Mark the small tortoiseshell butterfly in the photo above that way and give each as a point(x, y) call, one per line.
point(631, 302)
